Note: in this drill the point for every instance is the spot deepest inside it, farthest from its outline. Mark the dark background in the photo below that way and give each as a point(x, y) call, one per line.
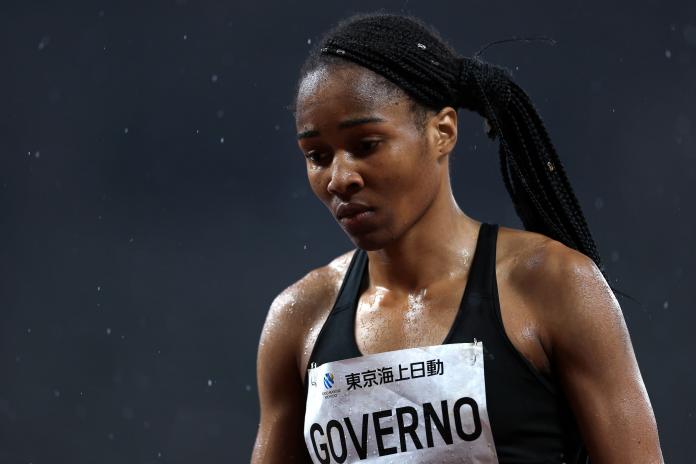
point(153, 202)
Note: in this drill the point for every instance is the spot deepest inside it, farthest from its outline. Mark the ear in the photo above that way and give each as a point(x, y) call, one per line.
point(443, 132)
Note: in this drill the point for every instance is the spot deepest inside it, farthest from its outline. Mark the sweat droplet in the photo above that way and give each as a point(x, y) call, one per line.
point(421, 46)
point(340, 51)
point(549, 164)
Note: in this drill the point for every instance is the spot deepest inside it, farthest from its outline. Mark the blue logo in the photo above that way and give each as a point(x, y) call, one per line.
point(328, 380)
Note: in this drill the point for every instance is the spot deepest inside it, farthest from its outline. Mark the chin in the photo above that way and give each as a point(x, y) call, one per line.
point(371, 241)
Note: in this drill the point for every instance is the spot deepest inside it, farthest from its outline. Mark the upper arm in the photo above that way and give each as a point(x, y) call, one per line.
point(286, 339)
point(281, 393)
point(592, 356)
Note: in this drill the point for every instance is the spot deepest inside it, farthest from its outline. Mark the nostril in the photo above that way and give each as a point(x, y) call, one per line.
point(345, 183)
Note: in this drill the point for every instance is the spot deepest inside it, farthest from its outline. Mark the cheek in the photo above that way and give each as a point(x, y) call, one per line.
point(408, 191)
point(406, 184)
point(318, 183)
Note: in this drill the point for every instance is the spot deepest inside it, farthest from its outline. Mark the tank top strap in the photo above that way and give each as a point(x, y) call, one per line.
point(348, 293)
point(336, 339)
point(482, 271)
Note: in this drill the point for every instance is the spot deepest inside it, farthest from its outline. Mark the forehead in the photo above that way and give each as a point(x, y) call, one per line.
point(331, 91)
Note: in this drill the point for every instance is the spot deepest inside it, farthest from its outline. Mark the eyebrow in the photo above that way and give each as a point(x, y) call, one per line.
point(342, 125)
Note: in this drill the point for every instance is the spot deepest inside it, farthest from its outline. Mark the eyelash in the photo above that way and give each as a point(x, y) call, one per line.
point(373, 144)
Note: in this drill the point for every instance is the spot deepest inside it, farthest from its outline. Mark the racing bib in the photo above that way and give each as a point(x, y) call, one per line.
point(417, 405)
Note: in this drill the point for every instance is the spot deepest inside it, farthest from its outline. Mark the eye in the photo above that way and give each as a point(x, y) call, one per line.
point(318, 157)
point(369, 145)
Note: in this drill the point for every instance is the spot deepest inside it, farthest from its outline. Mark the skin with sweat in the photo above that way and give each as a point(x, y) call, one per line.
point(361, 145)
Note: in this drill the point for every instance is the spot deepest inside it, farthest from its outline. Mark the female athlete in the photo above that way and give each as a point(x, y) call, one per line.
point(441, 338)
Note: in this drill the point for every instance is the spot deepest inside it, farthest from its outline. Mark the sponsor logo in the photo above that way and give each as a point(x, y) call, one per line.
point(328, 380)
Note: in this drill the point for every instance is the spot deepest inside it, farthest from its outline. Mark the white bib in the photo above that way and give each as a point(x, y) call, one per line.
point(418, 405)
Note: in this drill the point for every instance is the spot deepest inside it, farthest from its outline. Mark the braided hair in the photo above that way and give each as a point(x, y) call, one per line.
point(412, 56)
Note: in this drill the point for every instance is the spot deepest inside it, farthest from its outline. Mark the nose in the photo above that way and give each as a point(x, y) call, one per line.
point(345, 178)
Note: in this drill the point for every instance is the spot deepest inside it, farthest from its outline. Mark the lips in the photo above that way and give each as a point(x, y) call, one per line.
point(356, 218)
point(347, 210)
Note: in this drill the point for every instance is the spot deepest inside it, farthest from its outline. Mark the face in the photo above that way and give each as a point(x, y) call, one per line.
point(366, 160)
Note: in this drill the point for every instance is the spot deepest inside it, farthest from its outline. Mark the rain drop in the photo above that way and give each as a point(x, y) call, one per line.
point(43, 43)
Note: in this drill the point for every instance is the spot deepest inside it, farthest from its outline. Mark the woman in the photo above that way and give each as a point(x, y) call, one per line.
point(441, 338)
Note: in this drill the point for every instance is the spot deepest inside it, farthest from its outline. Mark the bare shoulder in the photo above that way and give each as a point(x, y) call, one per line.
point(561, 285)
point(301, 308)
point(538, 261)
point(542, 264)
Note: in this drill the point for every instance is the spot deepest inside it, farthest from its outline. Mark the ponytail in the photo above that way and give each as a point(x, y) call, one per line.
point(532, 171)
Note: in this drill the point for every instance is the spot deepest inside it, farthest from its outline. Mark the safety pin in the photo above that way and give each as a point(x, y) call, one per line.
point(312, 374)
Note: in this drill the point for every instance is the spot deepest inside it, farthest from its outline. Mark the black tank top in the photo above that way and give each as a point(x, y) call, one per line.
point(530, 418)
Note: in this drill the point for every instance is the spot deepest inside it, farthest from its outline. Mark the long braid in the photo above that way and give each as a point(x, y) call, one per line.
point(413, 56)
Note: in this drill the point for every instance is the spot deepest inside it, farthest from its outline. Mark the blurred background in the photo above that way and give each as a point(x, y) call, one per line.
point(153, 202)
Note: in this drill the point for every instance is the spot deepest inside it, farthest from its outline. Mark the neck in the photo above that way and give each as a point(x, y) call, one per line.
point(439, 246)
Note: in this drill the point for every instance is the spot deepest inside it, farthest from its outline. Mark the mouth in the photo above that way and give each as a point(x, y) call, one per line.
point(349, 210)
point(358, 222)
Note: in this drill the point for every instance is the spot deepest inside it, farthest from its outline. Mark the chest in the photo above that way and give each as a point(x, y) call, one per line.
point(387, 322)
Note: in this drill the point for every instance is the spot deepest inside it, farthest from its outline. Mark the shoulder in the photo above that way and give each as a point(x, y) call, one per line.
point(538, 262)
point(564, 288)
point(296, 311)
